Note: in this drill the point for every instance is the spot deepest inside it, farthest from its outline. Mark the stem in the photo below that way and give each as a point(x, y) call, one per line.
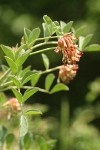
point(2, 78)
point(50, 70)
point(42, 50)
point(45, 43)
point(49, 37)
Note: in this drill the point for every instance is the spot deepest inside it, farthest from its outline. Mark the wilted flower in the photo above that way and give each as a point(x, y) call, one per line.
point(68, 48)
point(14, 104)
point(68, 72)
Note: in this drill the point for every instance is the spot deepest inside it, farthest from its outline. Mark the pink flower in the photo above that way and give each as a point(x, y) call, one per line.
point(68, 72)
point(14, 104)
point(69, 49)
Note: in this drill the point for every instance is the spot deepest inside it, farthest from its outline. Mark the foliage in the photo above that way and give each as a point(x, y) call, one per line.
point(22, 81)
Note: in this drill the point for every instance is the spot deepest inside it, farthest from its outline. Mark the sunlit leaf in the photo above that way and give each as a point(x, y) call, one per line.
point(92, 47)
point(22, 58)
point(9, 140)
point(46, 31)
point(45, 61)
point(26, 34)
point(66, 26)
point(80, 31)
point(17, 94)
point(59, 87)
point(27, 77)
point(2, 97)
point(35, 78)
point(86, 40)
point(8, 51)
point(49, 80)
point(33, 36)
point(16, 81)
point(81, 40)
point(12, 64)
point(23, 126)
point(33, 112)
point(28, 93)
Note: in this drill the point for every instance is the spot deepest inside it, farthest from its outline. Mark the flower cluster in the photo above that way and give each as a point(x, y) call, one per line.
point(71, 55)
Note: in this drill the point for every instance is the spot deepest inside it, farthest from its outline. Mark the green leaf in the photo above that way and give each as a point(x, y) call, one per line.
point(2, 97)
point(23, 57)
point(42, 143)
point(92, 47)
point(33, 36)
point(59, 87)
point(86, 40)
point(16, 81)
point(17, 94)
point(28, 141)
point(33, 112)
point(12, 64)
point(35, 78)
point(47, 19)
point(21, 50)
point(46, 31)
point(3, 132)
point(45, 61)
point(26, 34)
point(9, 140)
point(24, 71)
point(80, 31)
point(81, 41)
point(23, 126)
point(8, 51)
point(66, 27)
point(27, 77)
point(28, 93)
point(49, 80)
point(52, 26)
point(4, 76)
point(4, 67)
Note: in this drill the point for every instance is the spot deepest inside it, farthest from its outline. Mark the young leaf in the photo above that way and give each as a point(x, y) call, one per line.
point(9, 140)
point(33, 112)
point(66, 27)
point(80, 31)
point(47, 19)
point(15, 81)
point(28, 141)
point(28, 93)
point(8, 51)
point(46, 31)
point(92, 47)
point(45, 61)
point(22, 58)
point(59, 87)
point(26, 34)
point(35, 78)
point(86, 40)
point(49, 80)
point(21, 50)
point(17, 94)
point(23, 126)
point(12, 64)
point(42, 143)
point(33, 36)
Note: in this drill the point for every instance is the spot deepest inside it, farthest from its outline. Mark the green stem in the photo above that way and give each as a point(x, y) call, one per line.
point(50, 70)
point(42, 50)
point(49, 37)
point(45, 43)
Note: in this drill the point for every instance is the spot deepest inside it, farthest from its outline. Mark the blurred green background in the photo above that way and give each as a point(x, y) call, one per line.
point(17, 14)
